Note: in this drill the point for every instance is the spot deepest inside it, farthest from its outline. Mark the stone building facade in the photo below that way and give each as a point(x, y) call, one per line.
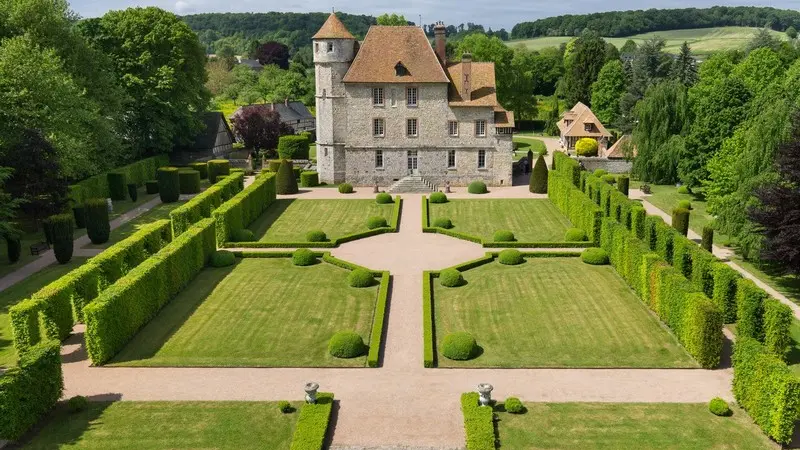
point(394, 107)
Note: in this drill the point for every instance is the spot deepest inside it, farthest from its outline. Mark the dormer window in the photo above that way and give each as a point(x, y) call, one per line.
point(400, 70)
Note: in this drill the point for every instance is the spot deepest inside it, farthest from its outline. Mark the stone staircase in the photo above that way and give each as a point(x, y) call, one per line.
point(411, 184)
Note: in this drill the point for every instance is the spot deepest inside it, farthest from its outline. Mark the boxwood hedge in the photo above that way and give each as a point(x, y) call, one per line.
point(725, 282)
point(169, 184)
point(777, 324)
point(116, 185)
point(478, 422)
point(749, 309)
point(98, 225)
point(218, 168)
point(245, 207)
point(202, 205)
point(312, 425)
point(200, 167)
point(189, 181)
point(293, 146)
point(427, 320)
point(97, 185)
point(309, 179)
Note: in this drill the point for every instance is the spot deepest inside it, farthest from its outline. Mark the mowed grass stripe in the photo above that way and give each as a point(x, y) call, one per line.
point(260, 313)
point(288, 220)
point(554, 312)
point(531, 220)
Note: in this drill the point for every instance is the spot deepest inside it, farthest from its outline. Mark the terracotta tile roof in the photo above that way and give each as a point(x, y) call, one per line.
point(503, 118)
point(580, 115)
point(333, 28)
point(384, 47)
point(618, 149)
point(484, 92)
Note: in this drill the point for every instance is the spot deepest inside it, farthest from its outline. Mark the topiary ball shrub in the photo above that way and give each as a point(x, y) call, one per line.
point(360, 278)
point(133, 192)
point(77, 404)
point(61, 230)
point(285, 180)
point(346, 344)
point(222, 258)
point(309, 179)
point(316, 236)
point(513, 405)
point(438, 197)
point(116, 185)
point(169, 184)
point(376, 222)
point(684, 190)
point(303, 257)
point(586, 147)
point(98, 227)
point(345, 188)
point(451, 278)
point(538, 180)
point(503, 236)
point(200, 167)
point(218, 168)
point(511, 257)
point(719, 407)
point(383, 198)
point(443, 223)
point(243, 235)
point(575, 235)
point(685, 204)
point(477, 187)
point(595, 256)
point(610, 179)
point(151, 186)
point(285, 407)
point(459, 346)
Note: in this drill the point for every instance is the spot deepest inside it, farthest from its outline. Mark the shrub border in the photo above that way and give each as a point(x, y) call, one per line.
point(478, 423)
point(312, 425)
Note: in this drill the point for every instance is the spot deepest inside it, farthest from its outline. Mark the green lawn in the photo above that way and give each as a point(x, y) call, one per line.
point(553, 312)
point(259, 313)
point(614, 426)
point(531, 220)
point(21, 291)
point(525, 143)
point(168, 425)
point(288, 220)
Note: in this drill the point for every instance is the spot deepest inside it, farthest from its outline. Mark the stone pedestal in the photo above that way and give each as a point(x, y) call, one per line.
point(311, 392)
point(485, 391)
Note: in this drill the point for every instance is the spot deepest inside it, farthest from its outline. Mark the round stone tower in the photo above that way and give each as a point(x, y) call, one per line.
point(334, 49)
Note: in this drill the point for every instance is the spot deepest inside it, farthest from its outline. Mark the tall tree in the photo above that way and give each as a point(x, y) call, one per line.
point(763, 39)
point(607, 92)
point(552, 118)
point(582, 66)
point(612, 54)
point(276, 85)
point(392, 20)
point(650, 66)
point(777, 212)
point(8, 207)
point(162, 67)
point(684, 69)
point(628, 48)
point(485, 48)
point(273, 53)
point(520, 94)
point(791, 32)
point(759, 69)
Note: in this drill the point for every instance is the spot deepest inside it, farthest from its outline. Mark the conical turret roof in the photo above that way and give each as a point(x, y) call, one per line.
point(333, 28)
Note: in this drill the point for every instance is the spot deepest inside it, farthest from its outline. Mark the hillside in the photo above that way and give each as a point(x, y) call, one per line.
point(702, 40)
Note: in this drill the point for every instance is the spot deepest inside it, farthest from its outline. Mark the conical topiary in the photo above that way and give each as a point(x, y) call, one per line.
point(285, 182)
point(538, 181)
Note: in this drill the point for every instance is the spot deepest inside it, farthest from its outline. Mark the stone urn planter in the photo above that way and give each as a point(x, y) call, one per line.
point(485, 391)
point(311, 392)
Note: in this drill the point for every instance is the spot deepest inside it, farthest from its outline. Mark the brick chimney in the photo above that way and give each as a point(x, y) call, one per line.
point(439, 32)
point(466, 71)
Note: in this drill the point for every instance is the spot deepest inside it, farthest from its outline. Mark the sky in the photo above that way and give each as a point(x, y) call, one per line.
point(493, 14)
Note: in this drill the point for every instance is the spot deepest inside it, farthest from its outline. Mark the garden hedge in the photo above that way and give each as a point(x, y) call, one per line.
point(680, 220)
point(304, 257)
point(777, 328)
point(538, 178)
point(14, 247)
point(725, 283)
point(218, 168)
point(346, 344)
point(378, 322)
point(478, 423)
point(376, 222)
point(97, 185)
point(586, 147)
point(98, 226)
point(189, 181)
point(749, 310)
point(442, 222)
point(383, 198)
point(60, 304)
point(766, 388)
point(203, 204)
point(459, 346)
point(293, 146)
point(200, 167)
point(132, 301)
point(273, 165)
point(169, 184)
point(151, 186)
point(595, 256)
point(79, 213)
point(312, 425)
point(309, 179)
point(623, 184)
point(345, 188)
point(477, 187)
point(708, 238)
point(427, 320)
point(61, 227)
point(451, 278)
point(438, 197)
point(579, 208)
point(222, 258)
point(116, 185)
point(29, 390)
point(244, 207)
point(133, 192)
point(285, 181)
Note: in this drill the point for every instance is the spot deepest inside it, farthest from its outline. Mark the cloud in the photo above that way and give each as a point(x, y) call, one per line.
point(183, 7)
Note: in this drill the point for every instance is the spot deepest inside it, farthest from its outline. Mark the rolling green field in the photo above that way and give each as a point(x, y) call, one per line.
point(288, 220)
point(674, 426)
point(703, 41)
point(553, 312)
point(168, 425)
point(531, 220)
point(258, 313)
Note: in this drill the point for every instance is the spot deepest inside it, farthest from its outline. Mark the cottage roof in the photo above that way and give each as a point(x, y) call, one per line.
point(386, 46)
point(618, 149)
point(574, 121)
point(503, 118)
point(483, 88)
point(333, 28)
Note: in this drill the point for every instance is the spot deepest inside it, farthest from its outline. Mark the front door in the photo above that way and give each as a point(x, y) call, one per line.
point(412, 162)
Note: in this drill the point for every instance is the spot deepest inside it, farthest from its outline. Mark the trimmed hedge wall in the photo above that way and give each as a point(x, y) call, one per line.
point(378, 322)
point(116, 185)
point(61, 226)
point(428, 358)
point(245, 207)
point(293, 146)
point(169, 184)
point(200, 167)
point(309, 179)
point(59, 305)
point(478, 423)
point(201, 206)
point(189, 181)
point(133, 300)
point(725, 282)
point(218, 168)
point(777, 324)
point(312, 425)
point(30, 390)
point(749, 310)
point(97, 185)
point(98, 225)
point(578, 208)
point(766, 388)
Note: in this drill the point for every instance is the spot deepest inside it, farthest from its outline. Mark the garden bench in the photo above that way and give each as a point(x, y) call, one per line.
point(39, 247)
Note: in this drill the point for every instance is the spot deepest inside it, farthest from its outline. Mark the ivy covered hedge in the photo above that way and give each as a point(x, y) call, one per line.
point(31, 389)
point(52, 311)
point(478, 423)
point(312, 425)
point(244, 207)
point(766, 388)
point(133, 300)
point(97, 185)
point(201, 206)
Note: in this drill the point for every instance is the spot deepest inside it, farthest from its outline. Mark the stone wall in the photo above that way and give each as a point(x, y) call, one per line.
point(609, 165)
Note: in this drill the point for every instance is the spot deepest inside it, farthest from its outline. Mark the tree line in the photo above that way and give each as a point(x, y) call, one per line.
point(629, 23)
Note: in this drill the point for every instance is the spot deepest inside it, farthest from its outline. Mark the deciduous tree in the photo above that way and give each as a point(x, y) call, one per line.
point(607, 92)
point(258, 127)
point(392, 20)
point(273, 53)
point(582, 67)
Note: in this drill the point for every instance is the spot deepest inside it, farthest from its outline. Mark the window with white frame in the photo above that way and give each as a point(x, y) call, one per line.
point(377, 96)
point(480, 128)
point(411, 127)
point(453, 127)
point(411, 96)
point(378, 127)
point(451, 159)
point(379, 159)
point(481, 159)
